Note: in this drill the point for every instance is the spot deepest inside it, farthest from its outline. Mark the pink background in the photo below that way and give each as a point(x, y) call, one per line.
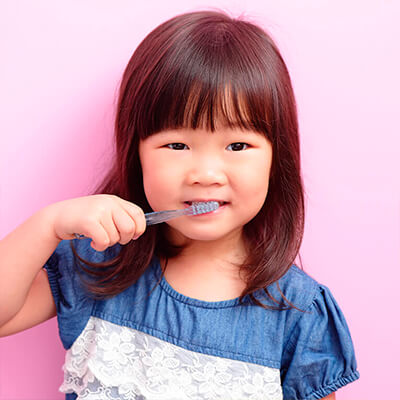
point(61, 63)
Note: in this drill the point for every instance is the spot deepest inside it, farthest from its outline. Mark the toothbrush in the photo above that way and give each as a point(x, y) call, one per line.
point(196, 208)
point(157, 217)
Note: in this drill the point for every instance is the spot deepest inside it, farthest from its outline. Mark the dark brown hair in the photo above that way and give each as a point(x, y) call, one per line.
point(192, 71)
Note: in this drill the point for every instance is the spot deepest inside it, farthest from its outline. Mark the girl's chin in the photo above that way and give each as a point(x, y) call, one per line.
point(184, 235)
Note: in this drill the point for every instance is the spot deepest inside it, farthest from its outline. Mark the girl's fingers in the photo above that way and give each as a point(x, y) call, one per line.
point(118, 223)
point(111, 227)
point(99, 236)
point(137, 214)
point(124, 224)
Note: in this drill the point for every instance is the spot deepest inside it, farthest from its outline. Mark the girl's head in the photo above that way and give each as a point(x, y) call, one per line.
point(206, 110)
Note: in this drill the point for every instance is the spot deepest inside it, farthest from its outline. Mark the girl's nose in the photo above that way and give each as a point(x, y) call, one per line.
point(207, 172)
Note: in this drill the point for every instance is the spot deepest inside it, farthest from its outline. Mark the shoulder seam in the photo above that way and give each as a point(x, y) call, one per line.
point(301, 272)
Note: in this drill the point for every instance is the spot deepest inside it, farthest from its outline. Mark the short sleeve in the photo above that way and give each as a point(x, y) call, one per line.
point(73, 302)
point(319, 356)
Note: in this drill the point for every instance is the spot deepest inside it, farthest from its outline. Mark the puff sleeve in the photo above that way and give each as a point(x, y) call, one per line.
point(73, 302)
point(319, 356)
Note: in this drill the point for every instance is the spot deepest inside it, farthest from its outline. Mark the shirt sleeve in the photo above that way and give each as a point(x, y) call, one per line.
point(73, 302)
point(58, 266)
point(319, 356)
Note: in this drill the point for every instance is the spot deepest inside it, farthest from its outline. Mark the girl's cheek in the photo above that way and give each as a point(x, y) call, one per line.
point(252, 179)
point(165, 177)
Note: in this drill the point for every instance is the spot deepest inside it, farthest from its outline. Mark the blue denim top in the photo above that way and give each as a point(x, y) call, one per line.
point(312, 349)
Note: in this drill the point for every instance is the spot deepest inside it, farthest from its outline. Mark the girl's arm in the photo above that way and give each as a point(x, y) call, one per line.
point(23, 253)
point(39, 306)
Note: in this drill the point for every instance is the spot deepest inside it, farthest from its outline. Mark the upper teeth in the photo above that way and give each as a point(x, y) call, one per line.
point(219, 202)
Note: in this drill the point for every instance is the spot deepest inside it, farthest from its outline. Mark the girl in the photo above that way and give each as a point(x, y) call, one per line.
point(208, 306)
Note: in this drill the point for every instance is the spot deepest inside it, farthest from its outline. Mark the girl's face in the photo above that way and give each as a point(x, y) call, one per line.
point(229, 165)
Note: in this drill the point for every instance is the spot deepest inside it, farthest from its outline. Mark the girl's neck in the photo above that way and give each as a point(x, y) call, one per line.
point(208, 270)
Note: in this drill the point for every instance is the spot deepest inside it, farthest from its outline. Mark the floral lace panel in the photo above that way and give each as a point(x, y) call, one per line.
point(109, 361)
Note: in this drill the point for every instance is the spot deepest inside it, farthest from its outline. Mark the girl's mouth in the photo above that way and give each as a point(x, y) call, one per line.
point(221, 203)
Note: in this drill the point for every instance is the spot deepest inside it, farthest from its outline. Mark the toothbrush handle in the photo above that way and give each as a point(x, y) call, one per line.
point(162, 216)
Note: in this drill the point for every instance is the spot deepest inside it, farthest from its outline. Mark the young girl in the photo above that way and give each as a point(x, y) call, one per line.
point(206, 306)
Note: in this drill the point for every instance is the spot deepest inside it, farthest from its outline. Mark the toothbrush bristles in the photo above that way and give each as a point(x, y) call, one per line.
point(204, 207)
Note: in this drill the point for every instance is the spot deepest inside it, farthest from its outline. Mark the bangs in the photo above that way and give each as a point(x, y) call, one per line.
point(202, 106)
point(215, 109)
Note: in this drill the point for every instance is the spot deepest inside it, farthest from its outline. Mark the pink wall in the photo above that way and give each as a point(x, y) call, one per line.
point(60, 67)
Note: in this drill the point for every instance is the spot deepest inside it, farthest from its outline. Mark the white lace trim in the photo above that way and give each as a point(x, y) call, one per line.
point(108, 361)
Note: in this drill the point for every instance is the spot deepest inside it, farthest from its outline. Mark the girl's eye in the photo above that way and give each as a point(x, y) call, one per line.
point(176, 146)
point(238, 146)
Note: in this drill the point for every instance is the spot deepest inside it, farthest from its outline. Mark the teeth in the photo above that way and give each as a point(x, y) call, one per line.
point(221, 203)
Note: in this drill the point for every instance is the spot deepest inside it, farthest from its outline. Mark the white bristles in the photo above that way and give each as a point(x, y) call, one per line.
point(204, 207)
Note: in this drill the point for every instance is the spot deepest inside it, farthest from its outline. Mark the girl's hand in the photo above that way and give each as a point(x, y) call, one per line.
point(106, 219)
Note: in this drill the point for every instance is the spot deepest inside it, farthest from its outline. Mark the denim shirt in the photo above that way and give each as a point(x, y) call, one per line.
point(293, 354)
